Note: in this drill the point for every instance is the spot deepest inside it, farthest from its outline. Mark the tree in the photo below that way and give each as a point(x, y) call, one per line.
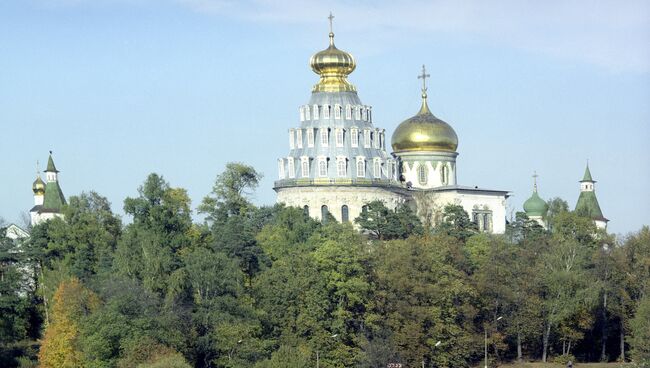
point(59, 348)
point(385, 224)
point(556, 205)
point(640, 339)
point(150, 247)
point(12, 288)
point(230, 191)
point(456, 223)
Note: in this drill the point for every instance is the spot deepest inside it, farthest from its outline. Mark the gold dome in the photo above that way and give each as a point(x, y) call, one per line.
point(39, 186)
point(333, 66)
point(424, 132)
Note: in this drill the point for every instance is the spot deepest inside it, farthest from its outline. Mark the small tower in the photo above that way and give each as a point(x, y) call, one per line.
point(587, 204)
point(48, 197)
point(535, 207)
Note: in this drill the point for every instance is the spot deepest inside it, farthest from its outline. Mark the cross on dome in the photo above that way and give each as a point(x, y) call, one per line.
point(424, 77)
point(331, 18)
point(535, 181)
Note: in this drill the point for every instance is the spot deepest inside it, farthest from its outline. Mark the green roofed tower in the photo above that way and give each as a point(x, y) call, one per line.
point(587, 204)
point(48, 204)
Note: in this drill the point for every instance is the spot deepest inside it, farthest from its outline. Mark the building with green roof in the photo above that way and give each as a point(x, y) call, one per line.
point(48, 197)
point(587, 204)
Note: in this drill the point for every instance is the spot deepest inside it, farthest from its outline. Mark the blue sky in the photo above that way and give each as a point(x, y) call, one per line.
point(122, 88)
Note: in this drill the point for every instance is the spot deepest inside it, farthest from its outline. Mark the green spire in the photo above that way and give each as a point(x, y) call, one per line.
point(587, 176)
point(50, 164)
point(54, 199)
point(588, 206)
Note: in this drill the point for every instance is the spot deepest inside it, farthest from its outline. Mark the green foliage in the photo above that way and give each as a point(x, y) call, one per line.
point(271, 287)
point(456, 222)
point(385, 224)
point(640, 340)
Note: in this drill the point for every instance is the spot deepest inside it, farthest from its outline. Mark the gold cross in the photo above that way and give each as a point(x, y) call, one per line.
point(331, 18)
point(424, 77)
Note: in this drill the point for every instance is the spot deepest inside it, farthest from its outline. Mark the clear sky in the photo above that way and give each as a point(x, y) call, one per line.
point(122, 88)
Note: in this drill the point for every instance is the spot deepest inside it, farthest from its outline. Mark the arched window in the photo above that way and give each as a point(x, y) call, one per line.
point(291, 139)
point(348, 112)
point(340, 168)
point(354, 137)
point(315, 112)
point(324, 213)
point(444, 174)
point(310, 137)
point(281, 168)
point(361, 168)
point(305, 167)
point(339, 137)
point(422, 174)
point(299, 138)
point(322, 167)
point(307, 113)
point(324, 139)
point(376, 168)
point(364, 208)
point(345, 216)
point(337, 111)
point(292, 172)
point(305, 210)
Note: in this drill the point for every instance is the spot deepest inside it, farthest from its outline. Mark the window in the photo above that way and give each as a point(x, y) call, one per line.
point(422, 174)
point(381, 140)
point(315, 111)
point(354, 137)
point(281, 168)
point(366, 138)
point(361, 167)
point(322, 167)
point(376, 140)
point(305, 210)
point(357, 112)
point(345, 214)
point(292, 172)
point(291, 140)
point(337, 111)
point(304, 161)
point(487, 218)
point(348, 112)
point(341, 167)
point(299, 138)
point(389, 169)
point(444, 174)
point(302, 113)
point(323, 137)
point(376, 165)
point(307, 113)
point(326, 111)
point(364, 115)
point(369, 115)
point(364, 208)
point(324, 214)
point(310, 137)
point(339, 137)
point(482, 219)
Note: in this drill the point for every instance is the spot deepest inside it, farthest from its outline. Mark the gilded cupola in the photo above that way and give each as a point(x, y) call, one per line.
point(38, 187)
point(424, 131)
point(333, 66)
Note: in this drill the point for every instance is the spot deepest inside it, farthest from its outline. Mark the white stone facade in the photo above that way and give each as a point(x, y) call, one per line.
point(335, 197)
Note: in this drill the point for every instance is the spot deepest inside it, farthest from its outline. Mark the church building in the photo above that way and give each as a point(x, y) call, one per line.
point(48, 196)
point(338, 159)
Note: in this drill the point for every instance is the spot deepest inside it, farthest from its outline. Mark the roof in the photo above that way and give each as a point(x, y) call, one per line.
point(588, 206)
point(535, 206)
point(587, 176)
point(50, 165)
point(54, 199)
point(463, 188)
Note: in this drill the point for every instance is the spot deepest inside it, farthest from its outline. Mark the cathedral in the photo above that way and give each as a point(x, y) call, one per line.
point(338, 159)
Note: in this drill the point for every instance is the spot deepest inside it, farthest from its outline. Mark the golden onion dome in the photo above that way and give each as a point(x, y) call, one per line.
point(39, 186)
point(424, 132)
point(333, 66)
